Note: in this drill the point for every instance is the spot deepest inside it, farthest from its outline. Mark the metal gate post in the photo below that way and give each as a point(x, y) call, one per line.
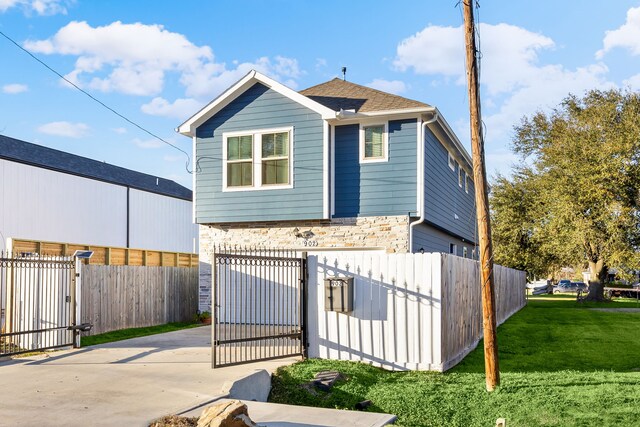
point(75, 307)
point(214, 309)
point(304, 280)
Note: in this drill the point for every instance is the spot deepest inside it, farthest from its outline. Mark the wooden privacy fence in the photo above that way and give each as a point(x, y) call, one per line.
point(411, 311)
point(118, 297)
point(108, 255)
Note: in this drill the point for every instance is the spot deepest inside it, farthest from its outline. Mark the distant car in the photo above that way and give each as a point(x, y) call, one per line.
point(567, 286)
point(582, 286)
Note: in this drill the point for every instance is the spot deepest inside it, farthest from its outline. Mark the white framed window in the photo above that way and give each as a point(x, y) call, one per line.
point(374, 143)
point(465, 251)
point(257, 160)
point(459, 175)
point(452, 162)
point(453, 248)
point(466, 183)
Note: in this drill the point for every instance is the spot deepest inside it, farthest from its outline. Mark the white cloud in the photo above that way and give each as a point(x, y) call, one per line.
point(321, 63)
point(15, 88)
point(627, 36)
point(120, 131)
point(148, 143)
point(391, 86)
point(514, 83)
point(40, 7)
point(180, 108)
point(633, 82)
point(67, 129)
point(108, 61)
point(509, 54)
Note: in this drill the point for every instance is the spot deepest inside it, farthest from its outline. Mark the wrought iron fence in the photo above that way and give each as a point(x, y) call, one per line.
point(259, 304)
point(37, 302)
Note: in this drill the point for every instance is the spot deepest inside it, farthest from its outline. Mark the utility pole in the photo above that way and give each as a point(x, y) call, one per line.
point(492, 371)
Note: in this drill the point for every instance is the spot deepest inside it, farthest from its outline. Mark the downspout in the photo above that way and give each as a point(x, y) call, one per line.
point(421, 155)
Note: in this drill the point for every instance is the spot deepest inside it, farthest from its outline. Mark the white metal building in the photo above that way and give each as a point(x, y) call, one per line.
point(50, 195)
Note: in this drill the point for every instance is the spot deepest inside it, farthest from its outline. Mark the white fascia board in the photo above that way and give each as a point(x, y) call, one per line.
point(188, 127)
point(407, 113)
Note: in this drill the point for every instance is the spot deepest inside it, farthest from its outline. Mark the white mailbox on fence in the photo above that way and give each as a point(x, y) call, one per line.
point(338, 294)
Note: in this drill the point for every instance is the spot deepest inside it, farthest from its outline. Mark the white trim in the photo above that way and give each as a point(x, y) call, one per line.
point(193, 179)
point(451, 161)
point(466, 182)
point(460, 174)
point(419, 165)
point(326, 173)
point(465, 252)
point(385, 142)
point(256, 160)
point(333, 170)
point(188, 128)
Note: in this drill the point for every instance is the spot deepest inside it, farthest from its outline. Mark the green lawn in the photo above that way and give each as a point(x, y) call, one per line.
point(562, 364)
point(125, 334)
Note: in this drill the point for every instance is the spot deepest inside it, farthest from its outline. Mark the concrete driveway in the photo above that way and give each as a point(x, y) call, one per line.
point(126, 383)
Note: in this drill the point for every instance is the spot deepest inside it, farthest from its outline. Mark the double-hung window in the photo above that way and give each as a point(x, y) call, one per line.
point(374, 143)
point(255, 160)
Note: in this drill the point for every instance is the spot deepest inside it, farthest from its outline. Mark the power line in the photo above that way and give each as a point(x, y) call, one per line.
point(98, 101)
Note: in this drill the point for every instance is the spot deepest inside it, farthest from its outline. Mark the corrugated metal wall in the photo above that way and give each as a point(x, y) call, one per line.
point(41, 204)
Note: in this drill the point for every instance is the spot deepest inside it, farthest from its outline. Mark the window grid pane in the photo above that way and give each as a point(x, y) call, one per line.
point(239, 174)
point(373, 142)
point(275, 145)
point(275, 172)
point(240, 147)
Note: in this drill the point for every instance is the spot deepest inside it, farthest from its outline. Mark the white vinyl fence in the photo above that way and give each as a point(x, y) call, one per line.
point(411, 311)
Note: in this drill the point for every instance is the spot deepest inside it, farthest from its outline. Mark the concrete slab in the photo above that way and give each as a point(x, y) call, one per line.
point(128, 382)
point(276, 415)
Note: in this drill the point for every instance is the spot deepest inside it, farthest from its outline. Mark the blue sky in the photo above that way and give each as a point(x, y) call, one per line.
point(158, 62)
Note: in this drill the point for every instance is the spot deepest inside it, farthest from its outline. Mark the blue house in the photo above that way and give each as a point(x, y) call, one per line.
point(337, 165)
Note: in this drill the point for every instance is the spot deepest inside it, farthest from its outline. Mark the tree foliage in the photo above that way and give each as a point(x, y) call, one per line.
point(574, 199)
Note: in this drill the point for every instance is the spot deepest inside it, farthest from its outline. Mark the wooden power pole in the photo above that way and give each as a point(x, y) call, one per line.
point(492, 371)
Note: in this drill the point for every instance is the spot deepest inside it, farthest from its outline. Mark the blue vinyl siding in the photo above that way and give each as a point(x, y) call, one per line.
point(433, 240)
point(372, 189)
point(444, 199)
point(260, 108)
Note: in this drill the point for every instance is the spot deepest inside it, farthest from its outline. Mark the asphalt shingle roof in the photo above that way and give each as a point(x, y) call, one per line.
point(339, 94)
point(48, 158)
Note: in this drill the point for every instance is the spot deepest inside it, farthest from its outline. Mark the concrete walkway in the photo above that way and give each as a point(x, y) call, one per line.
point(126, 383)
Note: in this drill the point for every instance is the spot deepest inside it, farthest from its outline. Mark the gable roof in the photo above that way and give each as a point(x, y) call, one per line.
point(338, 94)
point(47, 158)
point(188, 127)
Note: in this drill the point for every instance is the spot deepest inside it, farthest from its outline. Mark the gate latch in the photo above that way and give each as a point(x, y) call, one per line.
point(83, 327)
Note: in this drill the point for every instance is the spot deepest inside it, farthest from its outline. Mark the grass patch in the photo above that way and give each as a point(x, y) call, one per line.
point(562, 364)
point(125, 334)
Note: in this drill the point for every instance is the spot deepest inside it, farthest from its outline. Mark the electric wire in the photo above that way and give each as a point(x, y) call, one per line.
point(99, 101)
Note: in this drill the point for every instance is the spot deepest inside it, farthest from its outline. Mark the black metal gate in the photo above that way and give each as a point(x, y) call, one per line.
point(37, 302)
point(259, 305)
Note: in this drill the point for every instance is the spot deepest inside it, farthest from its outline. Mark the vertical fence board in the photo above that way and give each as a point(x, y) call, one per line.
point(411, 311)
point(118, 297)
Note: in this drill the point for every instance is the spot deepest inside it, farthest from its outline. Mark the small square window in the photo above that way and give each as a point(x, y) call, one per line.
point(453, 248)
point(452, 163)
point(465, 251)
point(373, 143)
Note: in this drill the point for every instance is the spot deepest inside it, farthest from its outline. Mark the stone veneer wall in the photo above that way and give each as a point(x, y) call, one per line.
point(381, 232)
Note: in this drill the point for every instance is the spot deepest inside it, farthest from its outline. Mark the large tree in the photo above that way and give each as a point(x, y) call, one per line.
point(574, 199)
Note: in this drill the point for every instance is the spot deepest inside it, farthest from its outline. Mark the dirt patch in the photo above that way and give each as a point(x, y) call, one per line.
point(619, 310)
point(175, 421)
